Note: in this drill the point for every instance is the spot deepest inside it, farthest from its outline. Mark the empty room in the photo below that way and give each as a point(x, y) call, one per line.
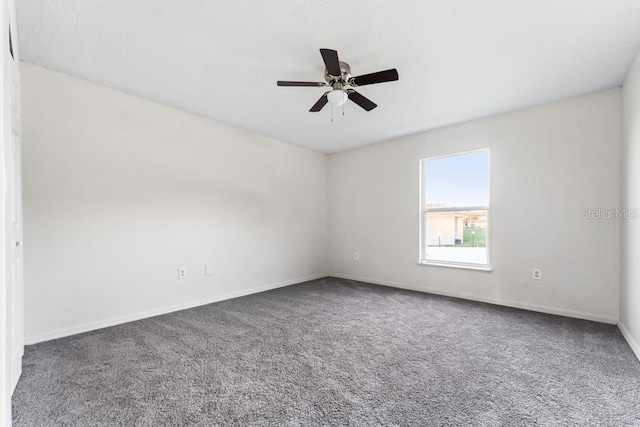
point(366, 213)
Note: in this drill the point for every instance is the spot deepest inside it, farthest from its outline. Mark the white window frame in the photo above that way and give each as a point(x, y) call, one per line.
point(422, 260)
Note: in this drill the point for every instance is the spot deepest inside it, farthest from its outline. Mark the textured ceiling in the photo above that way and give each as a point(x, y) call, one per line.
point(457, 60)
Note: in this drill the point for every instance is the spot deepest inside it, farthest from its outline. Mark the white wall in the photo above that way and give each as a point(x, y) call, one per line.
point(120, 192)
point(630, 283)
point(547, 163)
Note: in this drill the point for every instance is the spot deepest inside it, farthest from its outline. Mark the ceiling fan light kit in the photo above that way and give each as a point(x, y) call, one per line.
point(338, 77)
point(337, 97)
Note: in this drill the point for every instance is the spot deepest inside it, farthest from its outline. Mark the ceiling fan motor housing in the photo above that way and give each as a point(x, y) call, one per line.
point(342, 79)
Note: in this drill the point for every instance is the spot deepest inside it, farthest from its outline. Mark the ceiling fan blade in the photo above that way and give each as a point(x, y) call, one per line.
point(362, 101)
point(330, 58)
point(379, 77)
point(321, 103)
point(300, 84)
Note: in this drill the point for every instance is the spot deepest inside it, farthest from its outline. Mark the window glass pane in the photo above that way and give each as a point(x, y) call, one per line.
point(457, 181)
point(457, 236)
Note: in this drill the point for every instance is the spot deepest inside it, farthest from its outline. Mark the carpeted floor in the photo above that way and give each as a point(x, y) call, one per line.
point(335, 352)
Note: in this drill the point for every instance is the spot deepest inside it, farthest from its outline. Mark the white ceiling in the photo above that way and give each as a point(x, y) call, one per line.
point(457, 60)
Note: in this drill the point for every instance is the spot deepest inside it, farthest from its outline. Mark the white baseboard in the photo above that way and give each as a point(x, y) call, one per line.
point(91, 326)
point(16, 370)
point(524, 306)
point(632, 342)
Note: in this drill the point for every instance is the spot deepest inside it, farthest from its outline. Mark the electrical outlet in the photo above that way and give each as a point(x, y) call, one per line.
point(182, 273)
point(537, 274)
point(356, 256)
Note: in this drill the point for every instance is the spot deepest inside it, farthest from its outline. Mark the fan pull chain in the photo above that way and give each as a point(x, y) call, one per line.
point(331, 113)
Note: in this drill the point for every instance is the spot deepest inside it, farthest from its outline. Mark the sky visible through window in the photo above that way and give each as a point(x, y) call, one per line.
point(457, 181)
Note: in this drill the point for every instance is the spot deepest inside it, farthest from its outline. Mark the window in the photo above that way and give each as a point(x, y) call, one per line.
point(455, 210)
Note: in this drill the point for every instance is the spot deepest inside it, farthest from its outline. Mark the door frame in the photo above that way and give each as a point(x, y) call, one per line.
point(11, 311)
point(13, 173)
point(5, 297)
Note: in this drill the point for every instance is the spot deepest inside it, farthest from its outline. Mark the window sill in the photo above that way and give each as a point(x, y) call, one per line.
point(486, 268)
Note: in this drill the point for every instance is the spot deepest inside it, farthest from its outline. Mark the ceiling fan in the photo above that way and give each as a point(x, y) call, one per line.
point(338, 77)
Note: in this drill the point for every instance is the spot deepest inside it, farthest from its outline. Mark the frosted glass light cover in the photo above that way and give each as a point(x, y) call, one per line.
point(337, 97)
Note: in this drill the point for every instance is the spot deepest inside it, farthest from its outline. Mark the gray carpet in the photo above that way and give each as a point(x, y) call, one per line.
point(335, 352)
